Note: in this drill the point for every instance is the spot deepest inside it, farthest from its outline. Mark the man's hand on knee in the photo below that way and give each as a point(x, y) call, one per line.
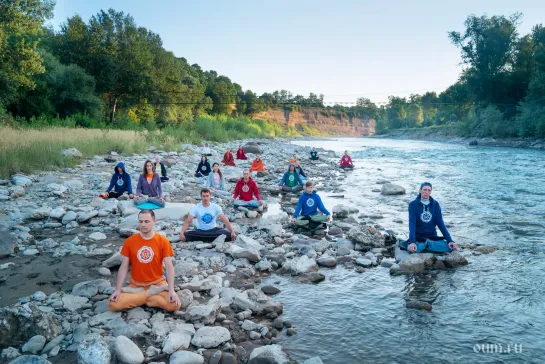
point(115, 296)
point(412, 247)
point(173, 298)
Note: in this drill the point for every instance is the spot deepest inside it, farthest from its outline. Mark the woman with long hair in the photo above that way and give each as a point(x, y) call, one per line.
point(149, 187)
point(203, 169)
point(216, 182)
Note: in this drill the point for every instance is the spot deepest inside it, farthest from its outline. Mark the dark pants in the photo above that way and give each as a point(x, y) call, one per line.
point(164, 179)
point(207, 235)
point(199, 174)
point(346, 167)
point(114, 194)
point(297, 188)
point(314, 158)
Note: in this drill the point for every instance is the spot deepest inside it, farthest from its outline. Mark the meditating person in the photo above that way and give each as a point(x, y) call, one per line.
point(246, 192)
point(257, 164)
point(203, 169)
point(146, 252)
point(308, 207)
point(228, 159)
point(161, 169)
point(293, 159)
point(216, 182)
point(120, 182)
point(424, 216)
point(206, 214)
point(300, 171)
point(206, 150)
point(149, 188)
point(314, 154)
point(240, 153)
point(291, 182)
point(346, 161)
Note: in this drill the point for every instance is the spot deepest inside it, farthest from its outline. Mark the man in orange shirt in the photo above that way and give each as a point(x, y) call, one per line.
point(146, 252)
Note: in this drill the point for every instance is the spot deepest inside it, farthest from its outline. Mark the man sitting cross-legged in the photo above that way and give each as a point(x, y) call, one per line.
point(146, 252)
point(306, 212)
point(206, 213)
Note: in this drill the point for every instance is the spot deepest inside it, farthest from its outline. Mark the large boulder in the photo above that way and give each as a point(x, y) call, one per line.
point(176, 341)
point(19, 324)
point(94, 350)
point(30, 359)
point(203, 313)
point(7, 243)
point(20, 180)
point(392, 189)
point(366, 237)
point(271, 354)
point(127, 351)
point(72, 152)
point(90, 288)
point(251, 148)
point(210, 337)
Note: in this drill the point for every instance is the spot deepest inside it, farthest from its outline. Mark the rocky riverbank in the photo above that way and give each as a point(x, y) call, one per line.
point(438, 135)
point(59, 251)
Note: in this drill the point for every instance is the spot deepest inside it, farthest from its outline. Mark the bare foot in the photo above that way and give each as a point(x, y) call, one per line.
point(132, 290)
point(153, 290)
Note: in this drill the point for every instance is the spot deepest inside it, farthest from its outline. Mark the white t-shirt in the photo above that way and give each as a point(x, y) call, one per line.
point(206, 216)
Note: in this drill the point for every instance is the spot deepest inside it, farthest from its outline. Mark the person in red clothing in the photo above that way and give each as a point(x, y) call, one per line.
point(240, 153)
point(245, 190)
point(228, 159)
point(146, 252)
point(346, 161)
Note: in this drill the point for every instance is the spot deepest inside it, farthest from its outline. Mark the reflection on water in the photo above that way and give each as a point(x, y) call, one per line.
point(491, 196)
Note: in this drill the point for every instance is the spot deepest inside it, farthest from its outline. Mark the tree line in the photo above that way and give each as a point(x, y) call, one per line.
point(500, 91)
point(113, 70)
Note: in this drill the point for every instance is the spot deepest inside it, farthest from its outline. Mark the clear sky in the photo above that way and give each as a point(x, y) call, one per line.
point(343, 49)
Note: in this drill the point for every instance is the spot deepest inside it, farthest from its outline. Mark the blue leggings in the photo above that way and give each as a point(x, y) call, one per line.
point(432, 246)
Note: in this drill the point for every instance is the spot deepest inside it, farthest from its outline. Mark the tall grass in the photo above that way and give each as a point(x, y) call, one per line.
point(36, 144)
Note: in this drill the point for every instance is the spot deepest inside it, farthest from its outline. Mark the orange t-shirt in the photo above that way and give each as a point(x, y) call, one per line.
point(146, 256)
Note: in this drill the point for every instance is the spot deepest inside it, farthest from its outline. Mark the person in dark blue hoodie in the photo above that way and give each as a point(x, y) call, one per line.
point(291, 182)
point(308, 206)
point(120, 183)
point(203, 169)
point(424, 216)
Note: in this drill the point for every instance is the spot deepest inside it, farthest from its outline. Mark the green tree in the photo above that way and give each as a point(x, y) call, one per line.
point(20, 29)
point(415, 116)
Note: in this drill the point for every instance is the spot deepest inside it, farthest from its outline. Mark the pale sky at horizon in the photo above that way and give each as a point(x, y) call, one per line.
point(344, 49)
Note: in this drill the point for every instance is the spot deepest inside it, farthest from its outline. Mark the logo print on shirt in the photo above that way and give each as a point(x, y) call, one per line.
point(310, 202)
point(145, 254)
point(345, 159)
point(207, 218)
point(426, 216)
point(291, 178)
point(120, 182)
point(245, 188)
point(203, 168)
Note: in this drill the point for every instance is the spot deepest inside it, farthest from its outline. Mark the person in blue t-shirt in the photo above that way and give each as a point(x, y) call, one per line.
point(424, 216)
point(206, 213)
point(308, 208)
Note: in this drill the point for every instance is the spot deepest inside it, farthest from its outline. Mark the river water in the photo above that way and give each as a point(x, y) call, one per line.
point(492, 196)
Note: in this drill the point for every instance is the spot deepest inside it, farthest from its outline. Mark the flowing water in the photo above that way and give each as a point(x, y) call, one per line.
point(492, 196)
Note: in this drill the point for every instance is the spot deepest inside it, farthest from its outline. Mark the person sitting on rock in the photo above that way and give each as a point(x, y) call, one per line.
point(245, 190)
point(146, 252)
point(228, 159)
point(203, 169)
point(308, 206)
point(300, 171)
point(293, 159)
point(346, 161)
point(120, 182)
point(291, 182)
point(149, 188)
point(240, 153)
point(216, 182)
point(206, 213)
point(424, 215)
point(160, 169)
point(257, 164)
point(206, 150)
point(314, 154)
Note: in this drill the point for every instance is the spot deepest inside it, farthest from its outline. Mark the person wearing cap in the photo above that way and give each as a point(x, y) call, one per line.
point(424, 216)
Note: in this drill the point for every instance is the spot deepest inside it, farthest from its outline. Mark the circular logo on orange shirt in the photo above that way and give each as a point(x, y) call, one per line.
point(145, 254)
